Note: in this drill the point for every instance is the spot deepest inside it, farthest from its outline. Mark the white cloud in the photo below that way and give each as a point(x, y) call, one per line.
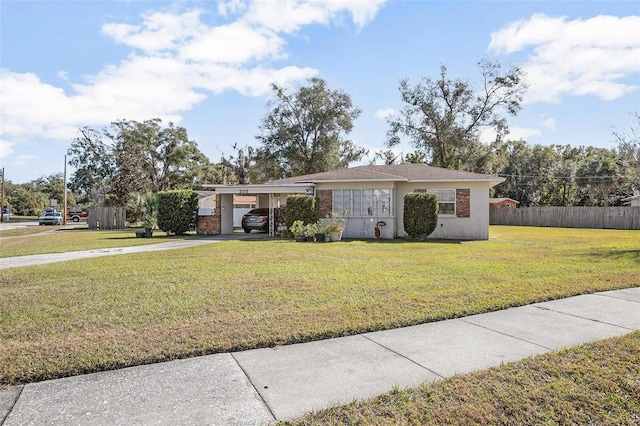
point(231, 7)
point(177, 61)
point(235, 43)
point(159, 31)
point(6, 148)
point(385, 112)
point(23, 160)
point(524, 133)
point(579, 57)
point(549, 123)
point(290, 15)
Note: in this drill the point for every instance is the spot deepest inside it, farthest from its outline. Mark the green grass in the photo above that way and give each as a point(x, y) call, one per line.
point(97, 314)
point(597, 384)
point(47, 239)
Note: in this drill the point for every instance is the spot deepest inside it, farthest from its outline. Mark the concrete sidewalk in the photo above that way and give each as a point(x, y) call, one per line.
point(260, 386)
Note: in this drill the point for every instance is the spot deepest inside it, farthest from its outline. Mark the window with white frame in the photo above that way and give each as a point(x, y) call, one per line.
point(363, 202)
point(446, 200)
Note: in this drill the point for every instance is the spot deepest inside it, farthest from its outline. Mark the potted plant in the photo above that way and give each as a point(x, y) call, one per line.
point(149, 224)
point(335, 226)
point(335, 231)
point(145, 207)
point(297, 229)
point(310, 231)
point(321, 230)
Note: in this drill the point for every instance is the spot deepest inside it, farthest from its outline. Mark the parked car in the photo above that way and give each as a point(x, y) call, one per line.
point(50, 218)
point(256, 219)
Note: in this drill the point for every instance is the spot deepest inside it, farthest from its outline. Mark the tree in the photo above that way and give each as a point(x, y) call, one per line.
point(387, 156)
point(52, 187)
point(133, 156)
point(93, 158)
point(597, 173)
point(238, 165)
point(628, 159)
point(304, 132)
point(441, 117)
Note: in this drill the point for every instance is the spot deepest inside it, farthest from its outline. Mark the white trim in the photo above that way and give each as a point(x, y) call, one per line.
point(261, 189)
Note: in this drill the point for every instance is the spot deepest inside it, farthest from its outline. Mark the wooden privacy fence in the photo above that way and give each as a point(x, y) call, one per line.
point(568, 217)
point(106, 218)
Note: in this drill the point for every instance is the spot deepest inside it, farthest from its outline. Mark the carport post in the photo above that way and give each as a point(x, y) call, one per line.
point(271, 216)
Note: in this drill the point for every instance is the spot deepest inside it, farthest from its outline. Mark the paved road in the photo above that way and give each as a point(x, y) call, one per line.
point(260, 386)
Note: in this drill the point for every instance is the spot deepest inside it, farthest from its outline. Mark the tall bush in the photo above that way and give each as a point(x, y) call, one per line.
point(301, 207)
point(420, 214)
point(177, 211)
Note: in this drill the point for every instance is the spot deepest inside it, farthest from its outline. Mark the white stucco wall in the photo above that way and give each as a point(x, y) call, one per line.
point(363, 226)
point(475, 227)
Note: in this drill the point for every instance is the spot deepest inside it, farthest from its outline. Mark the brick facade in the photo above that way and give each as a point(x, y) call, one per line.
point(210, 225)
point(463, 203)
point(325, 201)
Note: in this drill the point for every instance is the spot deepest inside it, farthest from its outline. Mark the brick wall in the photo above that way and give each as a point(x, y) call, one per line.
point(463, 203)
point(210, 225)
point(325, 201)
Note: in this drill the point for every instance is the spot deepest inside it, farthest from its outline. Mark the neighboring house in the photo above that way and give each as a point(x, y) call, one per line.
point(503, 202)
point(633, 201)
point(370, 195)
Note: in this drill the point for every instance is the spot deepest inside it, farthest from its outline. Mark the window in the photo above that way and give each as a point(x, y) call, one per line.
point(446, 200)
point(363, 202)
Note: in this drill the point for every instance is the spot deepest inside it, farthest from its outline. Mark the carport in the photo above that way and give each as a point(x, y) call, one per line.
point(266, 194)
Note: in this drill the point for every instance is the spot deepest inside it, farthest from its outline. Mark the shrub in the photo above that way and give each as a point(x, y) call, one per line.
point(420, 214)
point(177, 211)
point(301, 207)
point(297, 227)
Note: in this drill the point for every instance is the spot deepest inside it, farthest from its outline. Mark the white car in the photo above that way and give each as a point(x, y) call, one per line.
point(50, 218)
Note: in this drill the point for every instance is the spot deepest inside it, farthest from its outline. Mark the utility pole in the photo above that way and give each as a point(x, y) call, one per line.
point(2, 199)
point(64, 189)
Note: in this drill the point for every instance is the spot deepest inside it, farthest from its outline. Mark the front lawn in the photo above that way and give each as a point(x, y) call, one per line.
point(104, 313)
point(595, 384)
point(40, 240)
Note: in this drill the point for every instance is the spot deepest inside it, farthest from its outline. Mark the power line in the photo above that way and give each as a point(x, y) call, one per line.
point(562, 177)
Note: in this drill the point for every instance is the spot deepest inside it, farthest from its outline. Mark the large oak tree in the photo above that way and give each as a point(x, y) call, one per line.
point(132, 156)
point(443, 116)
point(305, 132)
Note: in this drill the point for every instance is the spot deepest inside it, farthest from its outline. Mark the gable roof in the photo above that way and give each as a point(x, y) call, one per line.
point(500, 200)
point(406, 172)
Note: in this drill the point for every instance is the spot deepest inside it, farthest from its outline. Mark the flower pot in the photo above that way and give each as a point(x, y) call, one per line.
point(299, 238)
point(335, 236)
point(144, 233)
point(320, 238)
point(311, 238)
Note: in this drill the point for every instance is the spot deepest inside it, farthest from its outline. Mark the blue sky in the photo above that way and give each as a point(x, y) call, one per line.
point(207, 66)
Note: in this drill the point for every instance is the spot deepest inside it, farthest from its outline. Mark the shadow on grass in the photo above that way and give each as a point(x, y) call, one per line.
point(633, 255)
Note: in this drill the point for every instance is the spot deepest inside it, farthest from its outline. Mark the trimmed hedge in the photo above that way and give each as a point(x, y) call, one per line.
point(301, 207)
point(177, 211)
point(420, 214)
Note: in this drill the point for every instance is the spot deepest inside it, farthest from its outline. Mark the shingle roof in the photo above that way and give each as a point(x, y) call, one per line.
point(409, 172)
point(500, 200)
